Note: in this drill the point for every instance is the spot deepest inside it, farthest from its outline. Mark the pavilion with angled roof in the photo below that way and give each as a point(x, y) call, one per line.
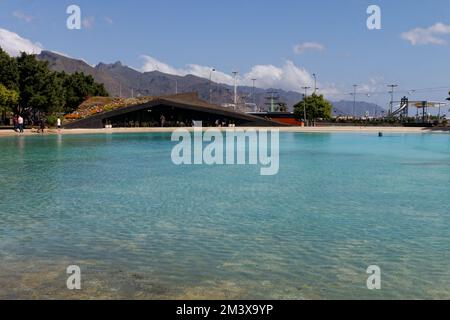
point(179, 110)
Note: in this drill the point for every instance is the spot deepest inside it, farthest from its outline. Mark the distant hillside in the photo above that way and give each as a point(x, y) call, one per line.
point(346, 108)
point(124, 81)
point(61, 63)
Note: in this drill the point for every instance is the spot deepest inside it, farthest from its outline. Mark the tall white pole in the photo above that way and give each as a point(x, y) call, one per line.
point(392, 86)
point(304, 103)
point(253, 94)
point(315, 83)
point(210, 85)
point(253, 91)
point(354, 99)
point(235, 73)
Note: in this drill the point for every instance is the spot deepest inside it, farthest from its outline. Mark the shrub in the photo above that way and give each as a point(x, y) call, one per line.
point(51, 120)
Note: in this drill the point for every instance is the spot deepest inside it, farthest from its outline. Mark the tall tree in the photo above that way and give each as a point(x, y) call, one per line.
point(8, 100)
point(9, 73)
point(317, 107)
point(40, 89)
point(78, 88)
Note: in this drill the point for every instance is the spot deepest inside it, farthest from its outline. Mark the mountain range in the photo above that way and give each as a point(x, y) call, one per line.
point(121, 80)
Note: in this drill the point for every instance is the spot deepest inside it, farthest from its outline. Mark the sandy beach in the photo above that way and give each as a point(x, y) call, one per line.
point(28, 132)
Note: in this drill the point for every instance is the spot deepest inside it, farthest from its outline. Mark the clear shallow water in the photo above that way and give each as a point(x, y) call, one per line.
point(141, 227)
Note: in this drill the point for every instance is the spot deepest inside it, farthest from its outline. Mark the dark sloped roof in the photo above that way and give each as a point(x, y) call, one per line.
point(189, 101)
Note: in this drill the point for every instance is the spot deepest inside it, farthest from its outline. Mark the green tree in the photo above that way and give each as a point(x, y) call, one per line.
point(317, 107)
point(40, 89)
point(79, 87)
point(8, 97)
point(8, 100)
point(9, 73)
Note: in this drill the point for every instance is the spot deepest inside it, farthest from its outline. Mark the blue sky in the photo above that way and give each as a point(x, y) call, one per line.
point(257, 38)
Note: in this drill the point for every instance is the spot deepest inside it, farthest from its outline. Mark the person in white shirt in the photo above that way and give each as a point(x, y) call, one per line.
point(20, 123)
point(58, 124)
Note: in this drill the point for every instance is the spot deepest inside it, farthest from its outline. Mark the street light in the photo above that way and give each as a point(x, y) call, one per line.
point(235, 73)
point(315, 83)
point(253, 91)
point(304, 102)
point(210, 83)
point(354, 99)
point(392, 86)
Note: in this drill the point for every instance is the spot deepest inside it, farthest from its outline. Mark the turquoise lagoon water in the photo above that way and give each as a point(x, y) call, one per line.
point(140, 227)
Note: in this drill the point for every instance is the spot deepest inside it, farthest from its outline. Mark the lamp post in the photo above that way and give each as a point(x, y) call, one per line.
point(210, 83)
point(314, 98)
point(354, 99)
point(315, 83)
point(253, 91)
point(235, 73)
point(392, 86)
point(304, 102)
point(253, 94)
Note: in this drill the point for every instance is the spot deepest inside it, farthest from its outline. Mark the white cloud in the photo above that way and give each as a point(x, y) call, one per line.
point(373, 85)
point(287, 77)
point(308, 46)
point(61, 54)
point(204, 72)
point(23, 16)
point(14, 44)
point(152, 64)
point(430, 35)
point(331, 91)
point(366, 91)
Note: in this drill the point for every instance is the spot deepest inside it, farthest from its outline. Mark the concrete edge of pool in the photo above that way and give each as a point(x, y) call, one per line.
point(8, 133)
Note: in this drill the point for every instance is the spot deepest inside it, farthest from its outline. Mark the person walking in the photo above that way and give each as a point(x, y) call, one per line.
point(20, 123)
point(58, 124)
point(163, 120)
point(42, 125)
point(15, 123)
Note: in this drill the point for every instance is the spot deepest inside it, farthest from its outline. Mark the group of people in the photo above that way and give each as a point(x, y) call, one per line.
point(19, 124)
point(218, 123)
